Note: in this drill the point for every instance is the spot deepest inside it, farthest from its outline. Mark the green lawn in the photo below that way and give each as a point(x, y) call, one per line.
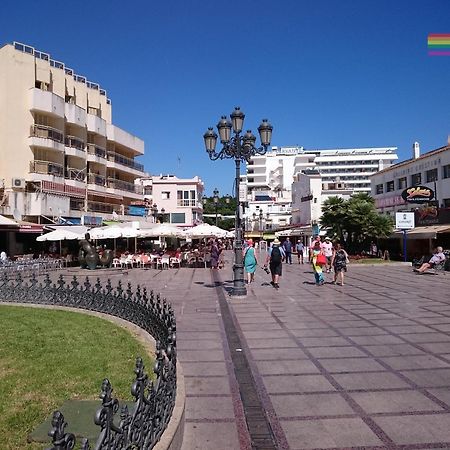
point(369, 261)
point(49, 356)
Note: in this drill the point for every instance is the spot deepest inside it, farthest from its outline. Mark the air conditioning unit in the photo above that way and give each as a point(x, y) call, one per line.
point(18, 183)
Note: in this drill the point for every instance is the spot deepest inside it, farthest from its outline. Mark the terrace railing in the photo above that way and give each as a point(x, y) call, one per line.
point(142, 426)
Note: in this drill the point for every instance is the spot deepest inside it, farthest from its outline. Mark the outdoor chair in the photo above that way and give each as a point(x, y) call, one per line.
point(116, 262)
point(174, 261)
point(164, 261)
point(145, 259)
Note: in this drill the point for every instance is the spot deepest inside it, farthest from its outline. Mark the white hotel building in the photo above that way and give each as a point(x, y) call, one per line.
point(269, 178)
point(61, 155)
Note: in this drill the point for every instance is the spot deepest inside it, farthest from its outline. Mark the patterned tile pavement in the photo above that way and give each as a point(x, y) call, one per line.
point(365, 365)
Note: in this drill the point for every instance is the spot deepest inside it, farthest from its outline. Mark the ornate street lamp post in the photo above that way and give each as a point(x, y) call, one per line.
point(261, 224)
point(240, 148)
point(216, 200)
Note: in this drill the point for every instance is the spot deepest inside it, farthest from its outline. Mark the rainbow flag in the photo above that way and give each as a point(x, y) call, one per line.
point(439, 44)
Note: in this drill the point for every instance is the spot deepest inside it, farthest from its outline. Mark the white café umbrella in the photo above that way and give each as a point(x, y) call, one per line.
point(60, 235)
point(161, 230)
point(205, 230)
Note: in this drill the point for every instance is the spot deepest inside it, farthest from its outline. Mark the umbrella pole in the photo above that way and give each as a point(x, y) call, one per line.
point(135, 245)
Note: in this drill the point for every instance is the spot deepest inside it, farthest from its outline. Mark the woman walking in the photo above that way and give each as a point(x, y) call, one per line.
point(215, 254)
point(316, 255)
point(250, 261)
point(339, 263)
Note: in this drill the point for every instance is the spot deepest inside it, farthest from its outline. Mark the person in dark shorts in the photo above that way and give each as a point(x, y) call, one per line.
point(275, 258)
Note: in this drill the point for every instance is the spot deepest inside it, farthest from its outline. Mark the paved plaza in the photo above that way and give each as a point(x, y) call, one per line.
point(361, 365)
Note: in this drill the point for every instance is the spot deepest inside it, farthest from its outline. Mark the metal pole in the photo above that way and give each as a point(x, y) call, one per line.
point(404, 246)
point(216, 212)
point(239, 288)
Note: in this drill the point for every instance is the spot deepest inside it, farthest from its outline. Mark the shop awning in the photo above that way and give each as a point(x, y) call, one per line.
point(428, 232)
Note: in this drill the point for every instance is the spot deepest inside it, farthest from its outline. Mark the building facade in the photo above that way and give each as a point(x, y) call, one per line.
point(432, 170)
point(62, 158)
point(173, 200)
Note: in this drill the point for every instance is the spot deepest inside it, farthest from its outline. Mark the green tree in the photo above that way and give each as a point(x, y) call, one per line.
point(226, 206)
point(358, 218)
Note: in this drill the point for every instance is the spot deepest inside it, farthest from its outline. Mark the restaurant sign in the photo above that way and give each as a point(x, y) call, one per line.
point(418, 194)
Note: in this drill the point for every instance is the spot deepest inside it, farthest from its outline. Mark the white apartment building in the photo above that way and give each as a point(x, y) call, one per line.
point(172, 199)
point(61, 156)
point(269, 177)
point(308, 195)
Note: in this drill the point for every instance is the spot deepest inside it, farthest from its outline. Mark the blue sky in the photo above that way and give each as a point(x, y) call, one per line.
point(326, 73)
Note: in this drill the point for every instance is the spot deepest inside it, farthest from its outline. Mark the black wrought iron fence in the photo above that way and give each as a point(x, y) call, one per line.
point(140, 427)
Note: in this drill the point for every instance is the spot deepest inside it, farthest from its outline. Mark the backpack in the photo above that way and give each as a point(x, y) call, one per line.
point(275, 256)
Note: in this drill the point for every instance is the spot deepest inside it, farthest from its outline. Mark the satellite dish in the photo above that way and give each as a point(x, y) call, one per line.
point(16, 214)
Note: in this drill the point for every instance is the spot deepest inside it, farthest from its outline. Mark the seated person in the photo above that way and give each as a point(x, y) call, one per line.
point(438, 257)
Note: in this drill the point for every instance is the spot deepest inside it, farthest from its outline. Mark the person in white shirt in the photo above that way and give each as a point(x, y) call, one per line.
point(3, 256)
point(327, 248)
point(438, 257)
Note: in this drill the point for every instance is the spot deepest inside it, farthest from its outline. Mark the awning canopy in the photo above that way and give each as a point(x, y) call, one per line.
point(428, 232)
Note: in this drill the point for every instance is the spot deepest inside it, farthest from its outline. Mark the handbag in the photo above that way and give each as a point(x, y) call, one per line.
point(321, 259)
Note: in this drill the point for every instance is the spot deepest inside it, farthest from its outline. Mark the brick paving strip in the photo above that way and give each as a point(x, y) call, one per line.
point(365, 365)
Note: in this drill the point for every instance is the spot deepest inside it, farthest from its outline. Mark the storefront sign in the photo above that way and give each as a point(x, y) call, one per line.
point(92, 221)
point(404, 220)
point(137, 211)
point(418, 194)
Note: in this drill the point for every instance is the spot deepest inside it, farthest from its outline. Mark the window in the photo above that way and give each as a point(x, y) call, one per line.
point(416, 179)
point(431, 175)
point(446, 202)
point(186, 198)
point(165, 195)
point(178, 218)
point(390, 186)
point(148, 190)
point(401, 183)
point(446, 171)
point(379, 189)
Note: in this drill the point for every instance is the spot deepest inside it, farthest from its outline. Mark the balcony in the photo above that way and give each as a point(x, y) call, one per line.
point(75, 115)
point(126, 139)
point(47, 168)
point(98, 180)
point(94, 152)
point(48, 137)
point(75, 174)
point(47, 102)
point(125, 186)
point(96, 124)
point(74, 146)
point(124, 161)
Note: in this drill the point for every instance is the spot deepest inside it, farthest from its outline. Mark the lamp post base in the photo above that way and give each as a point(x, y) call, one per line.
point(240, 291)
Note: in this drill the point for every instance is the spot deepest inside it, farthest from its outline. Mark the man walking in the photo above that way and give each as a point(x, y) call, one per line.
point(300, 248)
point(275, 257)
point(287, 246)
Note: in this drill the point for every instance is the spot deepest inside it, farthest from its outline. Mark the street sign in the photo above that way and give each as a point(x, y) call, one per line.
point(404, 220)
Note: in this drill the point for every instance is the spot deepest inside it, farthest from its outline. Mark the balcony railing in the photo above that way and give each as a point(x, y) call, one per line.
point(94, 178)
point(101, 207)
point(43, 131)
point(187, 202)
point(47, 168)
point(75, 174)
point(96, 150)
point(124, 161)
point(124, 186)
point(74, 142)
